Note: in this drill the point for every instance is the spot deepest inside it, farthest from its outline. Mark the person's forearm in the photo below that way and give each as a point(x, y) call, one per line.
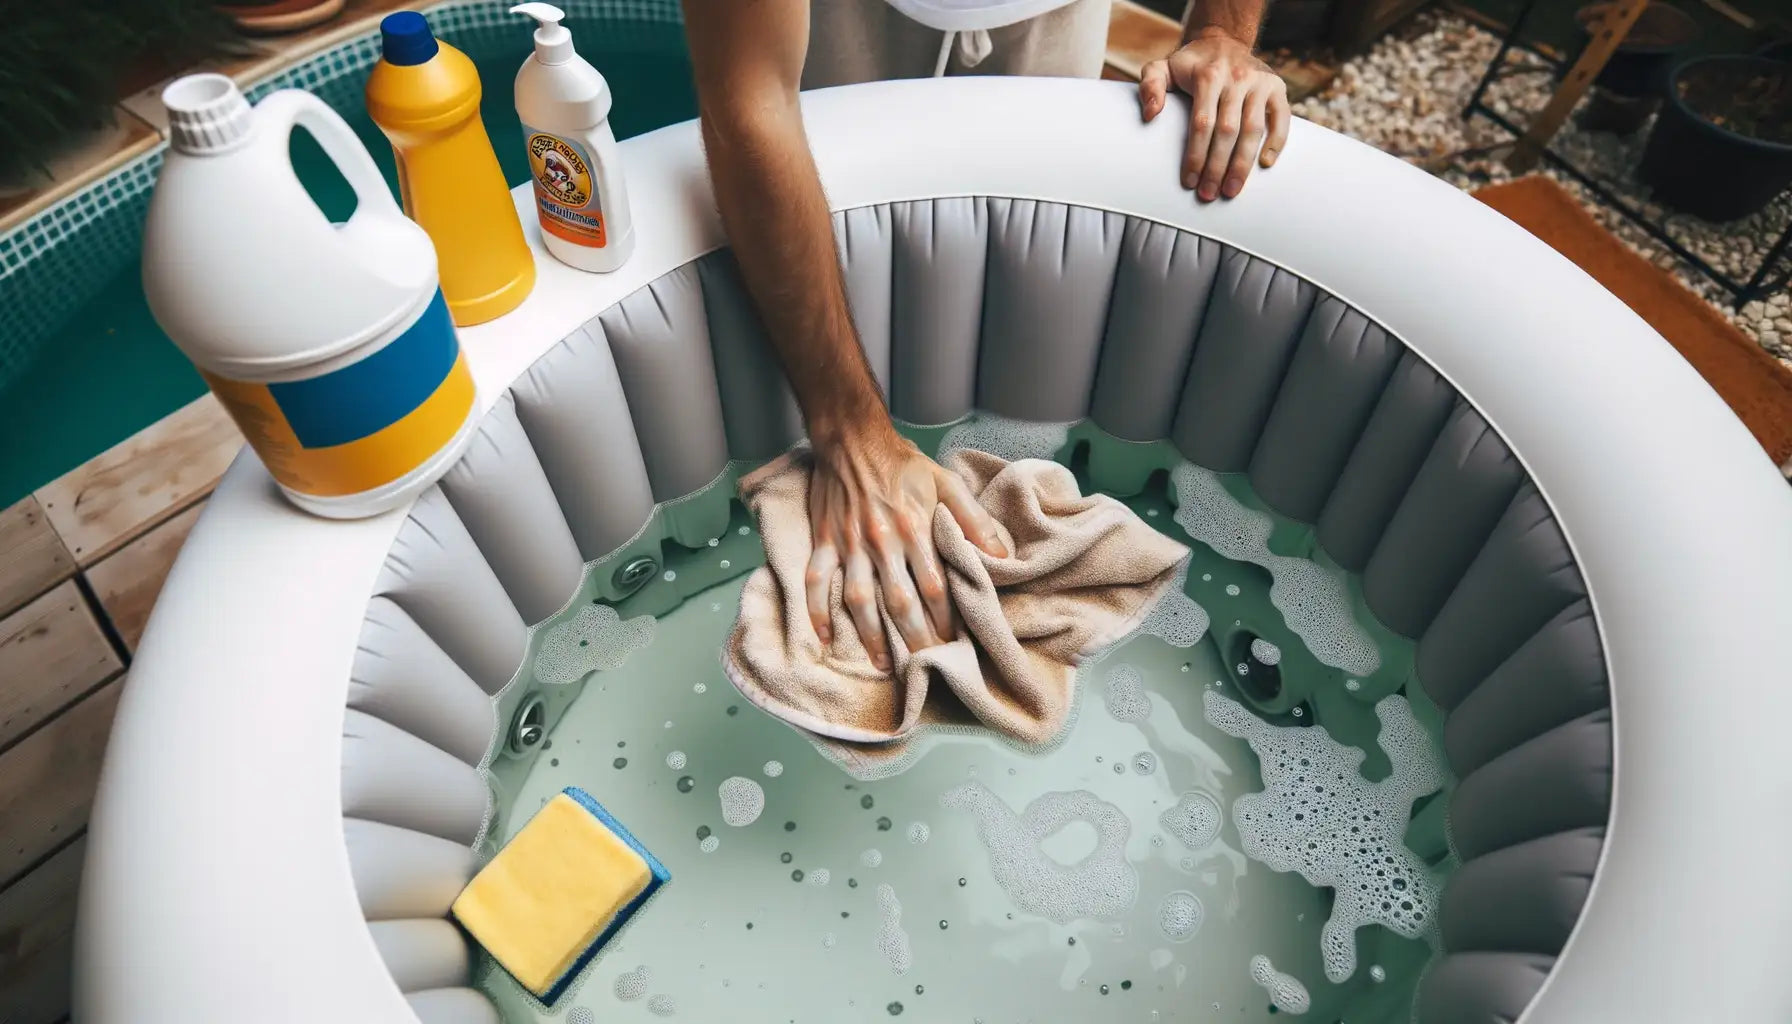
point(1240, 19)
point(777, 218)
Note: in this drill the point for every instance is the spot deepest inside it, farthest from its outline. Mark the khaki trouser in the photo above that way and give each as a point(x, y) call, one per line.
point(853, 41)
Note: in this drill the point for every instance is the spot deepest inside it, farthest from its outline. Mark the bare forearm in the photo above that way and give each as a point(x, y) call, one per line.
point(777, 219)
point(1240, 19)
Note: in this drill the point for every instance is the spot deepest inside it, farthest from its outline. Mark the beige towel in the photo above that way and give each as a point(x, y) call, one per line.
point(1083, 572)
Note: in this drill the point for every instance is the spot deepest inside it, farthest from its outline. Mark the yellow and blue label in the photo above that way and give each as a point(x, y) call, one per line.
point(565, 189)
point(364, 425)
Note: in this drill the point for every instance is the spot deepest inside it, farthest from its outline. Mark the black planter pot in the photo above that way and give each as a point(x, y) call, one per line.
point(1707, 170)
point(1654, 44)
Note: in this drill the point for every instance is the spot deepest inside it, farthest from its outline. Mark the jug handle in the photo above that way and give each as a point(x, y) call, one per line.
point(281, 110)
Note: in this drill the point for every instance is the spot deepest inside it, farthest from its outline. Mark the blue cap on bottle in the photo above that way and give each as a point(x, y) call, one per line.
point(405, 39)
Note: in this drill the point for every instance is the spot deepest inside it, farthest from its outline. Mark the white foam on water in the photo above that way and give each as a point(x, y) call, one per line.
point(1180, 915)
point(1160, 959)
point(772, 769)
point(1378, 973)
point(1176, 619)
point(1232, 590)
point(581, 1015)
point(1314, 601)
point(1101, 884)
point(1265, 652)
point(594, 640)
point(820, 877)
point(700, 688)
point(709, 844)
point(892, 940)
point(1317, 816)
point(1124, 693)
point(1285, 991)
point(1195, 820)
point(871, 858)
point(919, 832)
point(827, 940)
point(676, 760)
point(632, 985)
point(743, 801)
point(662, 1005)
point(1144, 762)
point(1006, 438)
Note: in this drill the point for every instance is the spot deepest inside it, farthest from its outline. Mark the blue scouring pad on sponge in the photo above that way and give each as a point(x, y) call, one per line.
point(556, 893)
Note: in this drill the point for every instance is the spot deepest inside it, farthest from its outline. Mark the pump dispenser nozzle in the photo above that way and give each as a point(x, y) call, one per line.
point(553, 42)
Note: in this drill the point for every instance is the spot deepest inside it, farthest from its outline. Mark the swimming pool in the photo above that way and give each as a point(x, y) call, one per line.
point(82, 363)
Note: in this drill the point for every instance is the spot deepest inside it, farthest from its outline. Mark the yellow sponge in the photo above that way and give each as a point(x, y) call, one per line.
point(557, 891)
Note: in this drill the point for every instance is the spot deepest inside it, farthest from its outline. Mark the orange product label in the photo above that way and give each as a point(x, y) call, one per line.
point(565, 191)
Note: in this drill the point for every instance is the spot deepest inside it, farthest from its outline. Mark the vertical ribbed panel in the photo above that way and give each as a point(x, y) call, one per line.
point(1558, 781)
point(865, 236)
point(1558, 675)
point(394, 778)
point(1394, 443)
point(453, 1006)
point(1524, 898)
point(573, 407)
point(758, 408)
point(399, 873)
point(1518, 581)
point(659, 338)
point(1161, 288)
point(1333, 384)
point(1253, 321)
point(401, 676)
point(436, 574)
point(1480, 988)
point(938, 266)
point(501, 493)
point(1459, 494)
point(422, 953)
point(1045, 305)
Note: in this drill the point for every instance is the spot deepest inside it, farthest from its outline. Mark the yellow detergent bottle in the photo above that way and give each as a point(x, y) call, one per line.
point(424, 94)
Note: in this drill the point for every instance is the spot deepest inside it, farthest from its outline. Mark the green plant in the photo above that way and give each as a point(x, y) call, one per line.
point(61, 64)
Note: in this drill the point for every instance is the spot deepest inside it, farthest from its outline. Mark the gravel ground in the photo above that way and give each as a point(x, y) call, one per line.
point(1406, 97)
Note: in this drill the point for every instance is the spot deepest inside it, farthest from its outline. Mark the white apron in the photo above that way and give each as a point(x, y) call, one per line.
point(871, 40)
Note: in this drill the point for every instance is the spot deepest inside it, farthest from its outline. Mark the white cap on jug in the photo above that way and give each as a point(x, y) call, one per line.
point(553, 42)
point(206, 114)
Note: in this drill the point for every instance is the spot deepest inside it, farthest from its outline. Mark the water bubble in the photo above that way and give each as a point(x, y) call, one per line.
point(709, 844)
point(820, 876)
point(675, 760)
point(785, 857)
point(581, 1015)
point(797, 875)
point(743, 531)
point(1286, 993)
point(742, 800)
point(892, 939)
point(871, 858)
point(686, 783)
point(1151, 512)
point(1179, 916)
point(1353, 685)
point(918, 832)
point(1124, 693)
point(1299, 712)
point(733, 709)
point(884, 824)
point(669, 576)
point(1378, 973)
point(866, 801)
point(772, 769)
point(895, 1009)
point(632, 985)
point(1265, 652)
point(621, 762)
point(1119, 769)
point(942, 924)
point(790, 826)
point(1144, 762)
point(1157, 840)
point(1231, 590)
point(1244, 668)
point(700, 688)
point(827, 940)
point(1101, 884)
point(662, 1005)
point(725, 563)
point(1195, 819)
point(1104, 990)
point(1207, 577)
point(668, 723)
point(713, 541)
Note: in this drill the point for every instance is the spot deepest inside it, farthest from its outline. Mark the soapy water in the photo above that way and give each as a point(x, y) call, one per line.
point(1180, 915)
point(1265, 652)
point(892, 939)
point(743, 801)
point(1124, 693)
point(1285, 991)
point(632, 985)
point(1008, 439)
point(1313, 600)
point(1317, 816)
point(662, 1005)
point(1194, 821)
point(676, 760)
point(594, 640)
point(1102, 884)
point(1176, 619)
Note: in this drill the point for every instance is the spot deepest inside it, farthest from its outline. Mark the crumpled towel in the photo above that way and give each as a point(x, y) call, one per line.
point(1083, 572)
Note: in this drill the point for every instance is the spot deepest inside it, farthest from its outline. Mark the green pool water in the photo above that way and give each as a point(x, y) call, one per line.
point(109, 371)
point(789, 916)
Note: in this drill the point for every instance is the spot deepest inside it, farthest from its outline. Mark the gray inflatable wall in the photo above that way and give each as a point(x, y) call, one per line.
point(1043, 312)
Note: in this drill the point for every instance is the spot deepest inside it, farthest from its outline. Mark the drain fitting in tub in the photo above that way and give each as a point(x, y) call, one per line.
point(1258, 680)
point(633, 574)
point(530, 726)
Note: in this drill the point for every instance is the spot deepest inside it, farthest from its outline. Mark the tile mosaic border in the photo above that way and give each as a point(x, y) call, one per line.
point(62, 255)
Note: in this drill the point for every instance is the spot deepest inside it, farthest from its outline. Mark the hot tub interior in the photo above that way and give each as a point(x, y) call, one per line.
point(1357, 769)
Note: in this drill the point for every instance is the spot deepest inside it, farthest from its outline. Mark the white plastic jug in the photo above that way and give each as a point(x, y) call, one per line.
point(330, 344)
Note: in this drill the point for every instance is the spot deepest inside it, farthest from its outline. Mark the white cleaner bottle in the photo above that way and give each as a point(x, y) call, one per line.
point(564, 104)
point(329, 344)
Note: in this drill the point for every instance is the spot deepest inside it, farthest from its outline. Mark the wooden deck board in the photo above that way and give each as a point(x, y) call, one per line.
point(51, 652)
point(47, 780)
point(32, 558)
point(37, 932)
point(1137, 36)
point(115, 497)
point(128, 580)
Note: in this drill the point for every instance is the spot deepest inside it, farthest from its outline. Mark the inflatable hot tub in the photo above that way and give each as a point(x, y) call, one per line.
point(1593, 556)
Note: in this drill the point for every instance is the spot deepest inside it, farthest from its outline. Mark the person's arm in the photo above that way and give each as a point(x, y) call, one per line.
point(873, 493)
point(1238, 109)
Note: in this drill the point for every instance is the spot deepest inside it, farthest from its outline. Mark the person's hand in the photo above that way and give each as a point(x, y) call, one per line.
point(871, 501)
point(1237, 104)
